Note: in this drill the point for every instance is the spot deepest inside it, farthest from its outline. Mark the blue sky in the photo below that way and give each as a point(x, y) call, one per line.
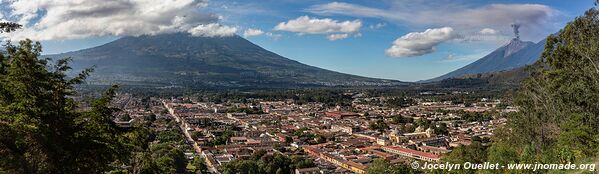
point(403, 39)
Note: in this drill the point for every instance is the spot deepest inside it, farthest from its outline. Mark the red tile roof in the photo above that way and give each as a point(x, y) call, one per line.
point(415, 152)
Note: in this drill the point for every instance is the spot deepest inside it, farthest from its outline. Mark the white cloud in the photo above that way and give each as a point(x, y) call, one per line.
point(213, 30)
point(334, 37)
point(488, 31)
point(60, 19)
point(377, 26)
point(535, 18)
point(250, 32)
point(459, 58)
point(420, 43)
point(464, 57)
point(351, 10)
point(450, 57)
point(274, 36)
point(307, 25)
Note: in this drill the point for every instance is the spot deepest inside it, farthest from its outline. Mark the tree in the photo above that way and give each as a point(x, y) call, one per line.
point(41, 130)
point(268, 164)
point(242, 167)
point(196, 134)
point(378, 125)
point(288, 139)
point(474, 153)
point(577, 137)
point(222, 139)
point(559, 102)
point(271, 163)
point(502, 154)
point(380, 166)
point(319, 139)
point(441, 129)
point(172, 135)
point(200, 165)
point(423, 122)
point(163, 158)
point(299, 162)
point(400, 119)
point(257, 155)
point(6, 27)
point(407, 128)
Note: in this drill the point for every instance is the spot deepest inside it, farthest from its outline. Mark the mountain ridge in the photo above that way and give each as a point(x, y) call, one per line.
point(514, 54)
point(184, 60)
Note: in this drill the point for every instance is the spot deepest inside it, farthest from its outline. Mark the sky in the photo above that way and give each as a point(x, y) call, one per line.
point(407, 40)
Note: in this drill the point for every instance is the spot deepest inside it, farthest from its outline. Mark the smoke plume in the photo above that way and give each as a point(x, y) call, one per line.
point(515, 27)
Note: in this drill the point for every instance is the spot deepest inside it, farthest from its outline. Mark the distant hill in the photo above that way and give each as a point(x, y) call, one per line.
point(507, 79)
point(513, 55)
point(179, 59)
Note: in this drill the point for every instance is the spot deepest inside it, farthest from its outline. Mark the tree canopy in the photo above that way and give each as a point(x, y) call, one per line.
point(380, 166)
point(9, 27)
point(41, 128)
point(558, 104)
point(262, 163)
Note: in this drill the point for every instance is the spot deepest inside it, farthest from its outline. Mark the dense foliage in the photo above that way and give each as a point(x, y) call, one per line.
point(254, 110)
point(558, 105)
point(222, 138)
point(41, 129)
point(475, 153)
point(380, 166)
point(378, 125)
point(9, 26)
point(160, 149)
point(262, 163)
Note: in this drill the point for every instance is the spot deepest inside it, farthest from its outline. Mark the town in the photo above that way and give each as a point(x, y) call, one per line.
point(326, 138)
